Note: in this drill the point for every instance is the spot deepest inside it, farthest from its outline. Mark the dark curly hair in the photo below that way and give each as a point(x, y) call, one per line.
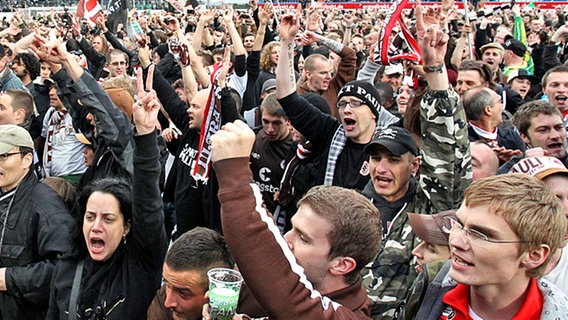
point(30, 62)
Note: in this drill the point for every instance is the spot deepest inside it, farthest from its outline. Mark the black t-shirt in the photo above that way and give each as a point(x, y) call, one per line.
point(267, 165)
point(352, 169)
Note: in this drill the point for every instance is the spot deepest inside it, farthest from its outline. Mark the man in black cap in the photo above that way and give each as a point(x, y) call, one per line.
point(445, 171)
point(520, 81)
point(513, 58)
point(518, 88)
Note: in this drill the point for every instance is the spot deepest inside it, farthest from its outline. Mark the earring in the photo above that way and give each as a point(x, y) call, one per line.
point(124, 239)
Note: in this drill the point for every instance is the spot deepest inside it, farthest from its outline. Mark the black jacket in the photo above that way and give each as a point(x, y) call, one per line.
point(196, 204)
point(35, 236)
point(96, 60)
point(169, 68)
point(506, 137)
point(130, 278)
point(113, 145)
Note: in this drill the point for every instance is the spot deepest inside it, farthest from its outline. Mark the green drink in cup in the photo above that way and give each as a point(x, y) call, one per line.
point(224, 287)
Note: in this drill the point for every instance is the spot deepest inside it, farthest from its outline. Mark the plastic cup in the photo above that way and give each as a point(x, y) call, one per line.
point(224, 287)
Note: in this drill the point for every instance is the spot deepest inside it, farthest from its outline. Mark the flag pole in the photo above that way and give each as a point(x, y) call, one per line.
point(467, 22)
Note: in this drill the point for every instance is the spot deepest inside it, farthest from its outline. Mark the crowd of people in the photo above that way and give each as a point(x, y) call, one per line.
point(351, 164)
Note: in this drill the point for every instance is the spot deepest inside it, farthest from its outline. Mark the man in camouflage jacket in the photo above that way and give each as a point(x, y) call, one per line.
point(445, 172)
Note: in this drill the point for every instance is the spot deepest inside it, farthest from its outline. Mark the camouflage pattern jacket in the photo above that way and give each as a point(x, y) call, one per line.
point(445, 173)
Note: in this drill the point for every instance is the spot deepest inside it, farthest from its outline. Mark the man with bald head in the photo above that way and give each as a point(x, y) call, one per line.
point(484, 108)
point(484, 161)
point(319, 70)
point(194, 200)
point(188, 194)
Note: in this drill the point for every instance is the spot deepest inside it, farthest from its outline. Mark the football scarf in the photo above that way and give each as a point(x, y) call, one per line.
point(211, 124)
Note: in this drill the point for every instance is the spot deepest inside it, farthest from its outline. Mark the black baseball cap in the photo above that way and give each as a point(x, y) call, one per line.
point(395, 139)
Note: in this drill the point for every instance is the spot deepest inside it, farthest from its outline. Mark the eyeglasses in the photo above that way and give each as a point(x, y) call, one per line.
point(352, 103)
point(475, 237)
point(118, 63)
point(5, 156)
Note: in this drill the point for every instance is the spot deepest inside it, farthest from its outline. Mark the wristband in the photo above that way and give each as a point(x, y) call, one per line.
point(432, 69)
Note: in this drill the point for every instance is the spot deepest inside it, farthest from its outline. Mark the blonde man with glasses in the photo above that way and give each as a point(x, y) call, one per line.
point(501, 241)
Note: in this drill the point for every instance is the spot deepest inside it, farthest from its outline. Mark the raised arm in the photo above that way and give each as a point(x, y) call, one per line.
point(461, 44)
point(112, 124)
point(306, 118)
point(196, 70)
point(204, 19)
point(171, 102)
point(111, 38)
point(246, 223)
point(285, 74)
point(264, 15)
point(238, 47)
point(229, 112)
point(148, 217)
point(445, 169)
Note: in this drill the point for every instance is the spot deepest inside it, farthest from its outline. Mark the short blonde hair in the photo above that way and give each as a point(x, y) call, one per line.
point(532, 210)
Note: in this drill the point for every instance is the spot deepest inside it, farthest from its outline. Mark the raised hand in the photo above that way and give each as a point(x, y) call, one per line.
point(101, 23)
point(308, 38)
point(290, 25)
point(145, 110)
point(432, 41)
point(10, 31)
point(207, 16)
point(76, 29)
point(347, 20)
point(517, 10)
point(16, 19)
point(228, 14)
point(234, 140)
point(144, 54)
point(173, 24)
point(50, 51)
point(447, 5)
point(314, 17)
point(225, 68)
point(265, 13)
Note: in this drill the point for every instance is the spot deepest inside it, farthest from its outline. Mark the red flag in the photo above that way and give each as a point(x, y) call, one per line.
point(89, 9)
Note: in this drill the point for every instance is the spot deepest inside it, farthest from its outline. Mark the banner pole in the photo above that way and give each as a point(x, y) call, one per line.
point(465, 8)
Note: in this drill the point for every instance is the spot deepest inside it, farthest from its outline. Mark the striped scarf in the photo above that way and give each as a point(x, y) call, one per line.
point(211, 124)
point(56, 123)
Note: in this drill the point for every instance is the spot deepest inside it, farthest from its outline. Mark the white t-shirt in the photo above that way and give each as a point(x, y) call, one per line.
point(559, 275)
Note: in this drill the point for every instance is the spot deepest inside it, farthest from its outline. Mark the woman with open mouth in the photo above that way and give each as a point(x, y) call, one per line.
point(120, 238)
